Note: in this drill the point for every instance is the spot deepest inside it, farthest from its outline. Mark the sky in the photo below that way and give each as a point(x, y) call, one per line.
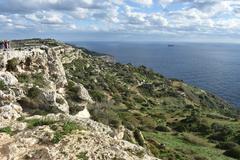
point(121, 20)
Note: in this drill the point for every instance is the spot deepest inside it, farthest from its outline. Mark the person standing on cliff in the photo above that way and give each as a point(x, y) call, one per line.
point(8, 44)
point(5, 44)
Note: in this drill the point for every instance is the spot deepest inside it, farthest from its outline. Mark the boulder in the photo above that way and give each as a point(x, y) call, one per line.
point(83, 114)
point(6, 97)
point(83, 93)
point(8, 78)
point(52, 98)
point(61, 103)
point(119, 132)
point(11, 112)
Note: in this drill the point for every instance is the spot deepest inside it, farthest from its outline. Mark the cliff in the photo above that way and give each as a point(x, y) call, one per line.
point(58, 101)
point(35, 120)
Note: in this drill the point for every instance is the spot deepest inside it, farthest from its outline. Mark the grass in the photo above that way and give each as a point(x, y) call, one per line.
point(39, 122)
point(7, 130)
point(178, 144)
point(2, 85)
point(37, 79)
point(67, 128)
point(33, 92)
point(24, 78)
point(190, 138)
point(82, 156)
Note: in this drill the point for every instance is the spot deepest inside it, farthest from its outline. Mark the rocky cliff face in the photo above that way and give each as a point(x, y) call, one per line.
point(44, 115)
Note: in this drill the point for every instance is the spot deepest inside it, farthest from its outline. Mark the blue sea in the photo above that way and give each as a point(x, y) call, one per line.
point(213, 67)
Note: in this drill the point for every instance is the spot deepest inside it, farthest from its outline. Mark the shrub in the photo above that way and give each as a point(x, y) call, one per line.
point(60, 100)
point(2, 85)
point(29, 103)
point(147, 122)
point(12, 65)
point(234, 152)
point(33, 92)
point(117, 98)
point(38, 80)
point(67, 128)
point(7, 130)
point(193, 124)
point(146, 89)
point(82, 156)
point(139, 137)
point(24, 78)
point(98, 96)
point(39, 122)
point(107, 117)
point(226, 145)
point(162, 128)
point(194, 139)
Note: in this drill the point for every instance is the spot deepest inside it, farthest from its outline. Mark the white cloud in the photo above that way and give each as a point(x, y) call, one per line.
point(164, 3)
point(144, 2)
point(80, 13)
point(72, 26)
point(45, 17)
point(5, 19)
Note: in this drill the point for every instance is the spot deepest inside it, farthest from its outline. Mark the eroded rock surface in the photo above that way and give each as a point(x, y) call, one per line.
point(33, 84)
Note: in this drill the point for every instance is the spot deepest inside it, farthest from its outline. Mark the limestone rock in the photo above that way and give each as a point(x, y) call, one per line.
point(119, 132)
point(11, 111)
point(8, 78)
point(56, 70)
point(52, 99)
point(83, 114)
point(83, 93)
point(61, 103)
point(6, 97)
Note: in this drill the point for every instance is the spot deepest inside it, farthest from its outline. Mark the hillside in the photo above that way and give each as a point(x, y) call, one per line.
point(63, 102)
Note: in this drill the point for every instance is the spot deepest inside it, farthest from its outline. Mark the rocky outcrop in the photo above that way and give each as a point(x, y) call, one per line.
point(93, 141)
point(83, 114)
point(8, 78)
point(83, 93)
point(10, 112)
point(41, 66)
point(34, 82)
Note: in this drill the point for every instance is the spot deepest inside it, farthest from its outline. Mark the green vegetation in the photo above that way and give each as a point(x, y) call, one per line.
point(98, 96)
point(33, 92)
point(226, 145)
point(34, 103)
point(12, 65)
point(104, 114)
point(7, 130)
point(61, 128)
point(178, 148)
point(39, 122)
point(178, 121)
point(2, 85)
point(234, 152)
point(66, 128)
point(24, 78)
point(37, 79)
point(82, 156)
